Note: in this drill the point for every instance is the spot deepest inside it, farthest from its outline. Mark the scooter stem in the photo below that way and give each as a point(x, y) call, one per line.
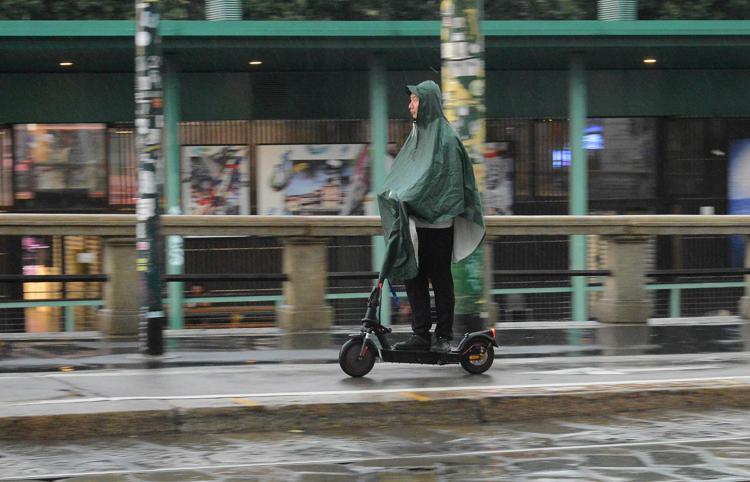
point(372, 314)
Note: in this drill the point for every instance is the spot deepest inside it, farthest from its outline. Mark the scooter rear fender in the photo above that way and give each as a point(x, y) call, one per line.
point(470, 337)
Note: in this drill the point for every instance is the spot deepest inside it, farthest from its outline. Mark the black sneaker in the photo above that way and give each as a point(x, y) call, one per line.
point(415, 342)
point(440, 345)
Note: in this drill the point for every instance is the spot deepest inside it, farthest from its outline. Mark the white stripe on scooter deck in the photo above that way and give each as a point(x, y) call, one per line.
point(496, 388)
point(385, 459)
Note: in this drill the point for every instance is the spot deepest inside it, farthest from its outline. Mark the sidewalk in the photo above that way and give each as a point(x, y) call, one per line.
point(230, 381)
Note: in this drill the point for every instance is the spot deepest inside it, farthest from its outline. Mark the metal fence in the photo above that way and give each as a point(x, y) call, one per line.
point(66, 298)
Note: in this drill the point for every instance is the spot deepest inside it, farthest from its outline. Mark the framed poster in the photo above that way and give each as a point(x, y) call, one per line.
point(498, 194)
point(313, 179)
point(738, 192)
point(215, 180)
point(56, 161)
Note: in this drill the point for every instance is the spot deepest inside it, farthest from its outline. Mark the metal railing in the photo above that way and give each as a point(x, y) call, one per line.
point(318, 229)
point(123, 225)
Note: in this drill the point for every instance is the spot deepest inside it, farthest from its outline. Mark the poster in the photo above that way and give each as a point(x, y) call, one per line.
point(215, 180)
point(498, 193)
point(313, 179)
point(329, 179)
point(60, 158)
point(738, 192)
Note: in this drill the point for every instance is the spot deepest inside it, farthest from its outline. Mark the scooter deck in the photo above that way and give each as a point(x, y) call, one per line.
point(424, 357)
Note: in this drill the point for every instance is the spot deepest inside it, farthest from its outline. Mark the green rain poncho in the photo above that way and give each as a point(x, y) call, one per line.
point(431, 181)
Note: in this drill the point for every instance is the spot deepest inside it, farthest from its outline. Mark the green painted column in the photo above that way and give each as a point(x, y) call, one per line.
point(378, 151)
point(70, 319)
point(463, 86)
point(175, 254)
point(578, 181)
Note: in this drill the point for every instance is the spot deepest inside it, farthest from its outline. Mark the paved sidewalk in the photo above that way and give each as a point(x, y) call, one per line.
point(319, 396)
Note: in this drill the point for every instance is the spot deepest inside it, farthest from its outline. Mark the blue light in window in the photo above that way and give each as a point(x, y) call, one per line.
point(593, 140)
point(560, 158)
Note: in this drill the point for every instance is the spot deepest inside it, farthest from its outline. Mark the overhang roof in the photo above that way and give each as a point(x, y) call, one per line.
point(227, 46)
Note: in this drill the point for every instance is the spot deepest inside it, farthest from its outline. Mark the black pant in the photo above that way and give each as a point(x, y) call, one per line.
point(435, 256)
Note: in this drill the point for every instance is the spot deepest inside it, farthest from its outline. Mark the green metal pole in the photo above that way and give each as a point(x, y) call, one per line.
point(378, 149)
point(175, 254)
point(674, 303)
point(463, 85)
point(70, 319)
point(578, 181)
point(149, 122)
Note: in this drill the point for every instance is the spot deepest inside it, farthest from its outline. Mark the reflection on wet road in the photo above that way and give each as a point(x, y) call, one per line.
point(675, 445)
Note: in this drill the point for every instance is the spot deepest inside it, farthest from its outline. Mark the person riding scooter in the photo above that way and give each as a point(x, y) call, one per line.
point(431, 213)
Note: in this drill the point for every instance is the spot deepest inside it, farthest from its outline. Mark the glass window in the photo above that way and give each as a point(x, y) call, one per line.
point(621, 154)
point(552, 159)
point(621, 158)
point(36, 254)
point(517, 135)
point(60, 165)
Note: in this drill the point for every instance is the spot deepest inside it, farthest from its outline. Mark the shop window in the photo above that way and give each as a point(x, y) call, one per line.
point(52, 255)
point(37, 255)
point(6, 169)
point(38, 258)
point(60, 166)
point(515, 136)
point(621, 158)
point(552, 159)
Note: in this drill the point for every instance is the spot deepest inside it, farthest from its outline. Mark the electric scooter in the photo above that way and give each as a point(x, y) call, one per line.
point(475, 352)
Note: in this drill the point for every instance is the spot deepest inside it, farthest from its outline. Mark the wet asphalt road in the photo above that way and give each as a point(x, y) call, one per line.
point(654, 446)
point(328, 381)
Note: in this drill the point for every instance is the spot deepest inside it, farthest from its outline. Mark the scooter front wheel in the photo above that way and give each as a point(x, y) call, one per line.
point(350, 361)
point(478, 357)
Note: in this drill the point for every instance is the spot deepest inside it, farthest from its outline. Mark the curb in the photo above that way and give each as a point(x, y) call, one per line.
point(475, 406)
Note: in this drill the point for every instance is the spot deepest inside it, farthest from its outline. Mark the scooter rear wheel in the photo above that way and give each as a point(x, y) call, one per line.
point(351, 363)
point(478, 357)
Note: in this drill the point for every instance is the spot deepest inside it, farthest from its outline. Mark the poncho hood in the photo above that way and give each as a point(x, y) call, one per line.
point(430, 102)
point(431, 182)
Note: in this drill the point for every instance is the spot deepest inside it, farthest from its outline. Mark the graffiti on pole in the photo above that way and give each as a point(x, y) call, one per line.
point(149, 121)
point(463, 79)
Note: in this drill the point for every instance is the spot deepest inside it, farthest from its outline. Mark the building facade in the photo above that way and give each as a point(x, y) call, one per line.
point(665, 111)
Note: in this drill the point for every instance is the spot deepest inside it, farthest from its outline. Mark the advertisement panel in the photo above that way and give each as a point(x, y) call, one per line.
point(313, 179)
point(215, 180)
point(498, 193)
point(61, 160)
point(738, 192)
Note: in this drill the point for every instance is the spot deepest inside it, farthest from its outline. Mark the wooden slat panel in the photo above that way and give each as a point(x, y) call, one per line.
point(214, 133)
